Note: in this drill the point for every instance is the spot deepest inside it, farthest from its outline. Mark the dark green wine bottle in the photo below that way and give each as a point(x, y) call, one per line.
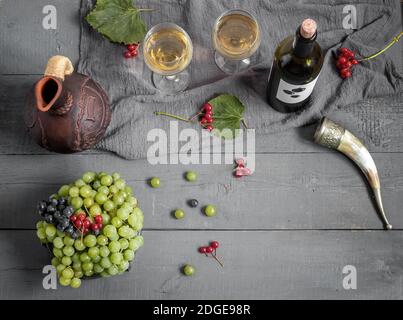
point(295, 69)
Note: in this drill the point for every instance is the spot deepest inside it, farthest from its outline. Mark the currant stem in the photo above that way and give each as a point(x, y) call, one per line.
point(395, 39)
point(244, 123)
point(195, 116)
point(215, 257)
point(160, 113)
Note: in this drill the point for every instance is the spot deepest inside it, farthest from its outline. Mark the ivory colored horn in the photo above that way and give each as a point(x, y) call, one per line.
point(334, 136)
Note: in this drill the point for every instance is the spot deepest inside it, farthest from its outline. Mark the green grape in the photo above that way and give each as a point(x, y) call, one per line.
point(60, 268)
point(64, 191)
point(102, 240)
point(79, 245)
point(118, 199)
point(116, 222)
point(106, 180)
point(191, 176)
point(88, 177)
point(68, 241)
point(96, 259)
point(93, 252)
point(132, 201)
point(78, 274)
point(124, 194)
point(68, 273)
point(96, 184)
point(79, 183)
point(105, 262)
point(210, 210)
point(57, 253)
point(128, 190)
point(114, 246)
point(138, 225)
point(88, 202)
point(60, 234)
point(101, 198)
point(116, 258)
point(113, 189)
point(75, 257)
point(114, 237)
point(101, 174)
point(74, 192)
point(136, 243)
point(155, 182)
point(104, 252)
point(120, 184)
point(64, 281)
point(50, 239)
point(109, 231)
point(104, 190)
point(98, 268)
point(124, 243)
point(75, 283)
point(115, 176)
point(89, 273)
point(55, 262)
point(109, 205)
point(93, 193)
point(124, 231)
point(105, 274)
point(113, 270)
point(77, 266)
point(123, 266)
point(106, 219)
point(127, 206)
point(66, 260)
point(50, 230)
point(123, 213)
point(84, 257)
point(58, 243)
point(76, 202)
point(87, 266)
point(132, 219)
point(128, 255)
point(85, 191)
point(188, 270)
point(138, 212)
point(41, 233)
point(68, 251)
point(39, 224)
point(95, 210)
point(90, 240)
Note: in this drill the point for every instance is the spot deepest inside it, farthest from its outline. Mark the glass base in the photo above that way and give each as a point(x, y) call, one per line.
point(231, 66)
point(171, 84)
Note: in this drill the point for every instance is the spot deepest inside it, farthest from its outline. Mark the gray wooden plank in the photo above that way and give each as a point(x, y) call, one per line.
point(380, 128)
point(25, 44)
point(297, 191)
point(257, 265)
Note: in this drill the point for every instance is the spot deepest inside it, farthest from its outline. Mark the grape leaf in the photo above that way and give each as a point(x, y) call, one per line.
point(118, 20)
point(228, 114)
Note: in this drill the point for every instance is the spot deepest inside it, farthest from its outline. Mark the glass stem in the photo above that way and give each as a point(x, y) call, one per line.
point(395, 39)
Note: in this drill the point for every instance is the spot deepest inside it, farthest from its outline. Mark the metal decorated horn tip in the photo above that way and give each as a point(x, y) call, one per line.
point(328, 133)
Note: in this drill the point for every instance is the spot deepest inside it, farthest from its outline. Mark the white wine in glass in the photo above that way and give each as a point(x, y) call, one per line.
point(236, 37)
point(168, 51)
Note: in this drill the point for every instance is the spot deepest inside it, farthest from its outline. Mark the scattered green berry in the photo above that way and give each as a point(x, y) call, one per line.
point(155, 182)
point(188, 270)
point(179, 214)
point(210, 211)
point(191, 176)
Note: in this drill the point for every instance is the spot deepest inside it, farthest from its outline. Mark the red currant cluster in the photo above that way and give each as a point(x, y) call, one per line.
point(206, 113)
point(345, 61)
point(84, 224)
point(212, 250)
point(131, 51)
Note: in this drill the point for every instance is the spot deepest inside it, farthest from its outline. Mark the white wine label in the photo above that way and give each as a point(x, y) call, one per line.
point(291, 93)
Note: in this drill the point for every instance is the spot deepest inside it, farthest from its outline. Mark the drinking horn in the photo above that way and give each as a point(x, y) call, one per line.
point(334, 136)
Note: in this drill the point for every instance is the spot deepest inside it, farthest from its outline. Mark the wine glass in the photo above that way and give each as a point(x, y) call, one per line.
point(236, 37)
point(167, 52)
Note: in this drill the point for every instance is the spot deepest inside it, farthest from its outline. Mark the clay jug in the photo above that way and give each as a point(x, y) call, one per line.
point(66, 111)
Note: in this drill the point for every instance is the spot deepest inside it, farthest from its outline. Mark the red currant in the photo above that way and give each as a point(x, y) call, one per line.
point(208, 116)
point(214, 244)
point(344, 50)
point(203, 121)
point(81, 216)
point(100, 225)
point(209, 249)
point(86, 224)
point(85, 230)
point(209, 127)
point(78, 224)
point(132, 47)
point(342, 60)
point(73, 218)
point(134, 53)
point(354, 62)
point(98, 219)
point(207, 107)
point(127, 54)
point(210, 120)
point(345, 73)
point(203, 250)
point(94, 227)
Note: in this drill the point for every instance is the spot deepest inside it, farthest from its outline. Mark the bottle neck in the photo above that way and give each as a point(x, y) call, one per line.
point(302, 46)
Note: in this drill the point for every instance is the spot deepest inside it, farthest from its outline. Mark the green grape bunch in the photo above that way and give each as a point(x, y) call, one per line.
point(107, 225)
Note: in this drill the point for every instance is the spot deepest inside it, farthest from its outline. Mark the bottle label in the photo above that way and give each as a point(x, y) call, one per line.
point(291, 93)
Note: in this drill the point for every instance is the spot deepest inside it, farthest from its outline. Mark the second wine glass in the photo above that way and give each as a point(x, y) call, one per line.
point(168, 51)
point(236, 37)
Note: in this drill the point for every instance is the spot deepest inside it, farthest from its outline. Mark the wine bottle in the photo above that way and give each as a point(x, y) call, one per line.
point(295, 69)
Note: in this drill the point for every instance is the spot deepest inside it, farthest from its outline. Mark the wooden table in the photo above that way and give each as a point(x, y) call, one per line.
point(285, 232)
